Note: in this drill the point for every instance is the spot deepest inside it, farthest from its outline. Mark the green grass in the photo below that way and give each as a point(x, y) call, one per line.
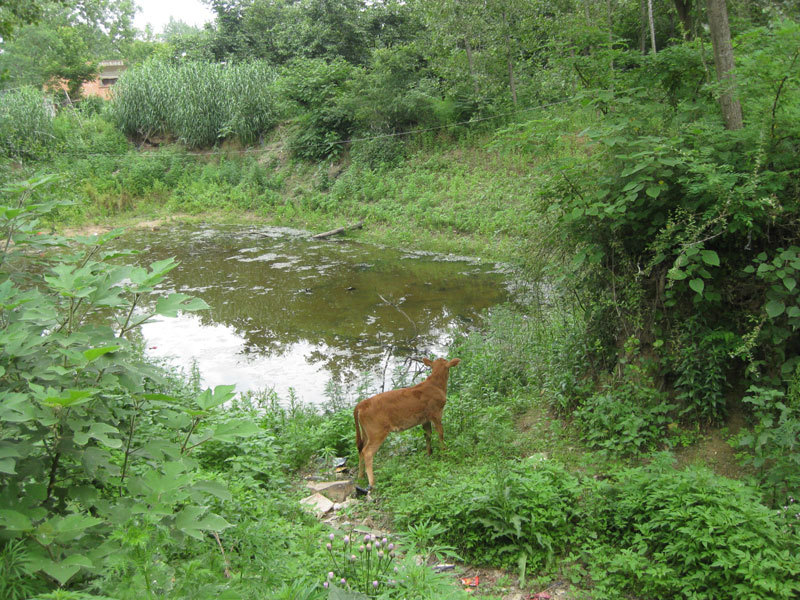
point(476, 193)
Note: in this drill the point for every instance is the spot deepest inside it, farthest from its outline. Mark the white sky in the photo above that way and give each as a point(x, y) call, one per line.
point(158, 12)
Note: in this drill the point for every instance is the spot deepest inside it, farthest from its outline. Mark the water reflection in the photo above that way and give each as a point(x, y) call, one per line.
point(290, 312)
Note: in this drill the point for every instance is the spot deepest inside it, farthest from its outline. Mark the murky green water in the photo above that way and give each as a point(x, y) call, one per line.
point(291, 312)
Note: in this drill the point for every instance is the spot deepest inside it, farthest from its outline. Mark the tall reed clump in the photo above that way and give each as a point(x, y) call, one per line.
point(196, 103)
point(142, 100)
point(26, 123)
point(251, 108)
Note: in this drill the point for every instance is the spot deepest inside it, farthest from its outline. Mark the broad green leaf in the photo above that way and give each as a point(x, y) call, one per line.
point(13, 449)
point(634, 169)
point(710, 257)
point(790, 283)
point(221, 394)
point(169, 306)
point(95, 353)
point(173, 478)
point(230, 430)
point(775, 308)
point(13, 520)
point(187, 519)
point(66, 569)
point(764, 268)
point(97, 462)
point(70, 398)
point(214, 488)
point(8, 465)
point(100, 432)
point(16, 408)
point(793, 312)
point(653, 191)
point(160, 397)
point(676, 274)
point(698, 285)
point(213, 522)
point(67, 528)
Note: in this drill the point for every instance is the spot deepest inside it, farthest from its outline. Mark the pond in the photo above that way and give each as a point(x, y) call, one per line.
point(292, 313)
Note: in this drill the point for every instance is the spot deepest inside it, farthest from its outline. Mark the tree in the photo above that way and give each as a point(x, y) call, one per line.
point(17, 13)
point(684, 10)
point(66, 41)
point(652, 26)
point(723, 61)
point(70, 61)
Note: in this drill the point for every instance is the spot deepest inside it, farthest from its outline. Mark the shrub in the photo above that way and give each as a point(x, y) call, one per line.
point(318, 89)
point(690, 533)
point(26, 123)
point(507, 514)
point(628, 416)
point(702, 361)
point(624, 420)
point(527, 515)
point(773, 446)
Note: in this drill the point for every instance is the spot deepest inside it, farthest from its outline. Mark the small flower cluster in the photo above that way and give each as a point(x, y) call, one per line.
point(790, 513)
point(364, 567)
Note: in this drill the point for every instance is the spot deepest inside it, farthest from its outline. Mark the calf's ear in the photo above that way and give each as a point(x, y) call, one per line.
point(427, 362)
point(453, 362)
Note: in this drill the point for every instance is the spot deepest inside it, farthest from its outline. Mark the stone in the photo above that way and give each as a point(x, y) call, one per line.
point(342, 505)
point(337, 491)
point(318, 504)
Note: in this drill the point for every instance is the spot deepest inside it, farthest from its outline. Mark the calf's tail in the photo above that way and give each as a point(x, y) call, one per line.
point(359, 439)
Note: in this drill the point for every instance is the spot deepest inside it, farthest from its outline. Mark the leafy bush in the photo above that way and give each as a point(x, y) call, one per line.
point(675, 217)
point(780, 332)
point(625, 420)
point(702, 364)
point(773, 446)
point(527, 516)
point(318, 88)
point(396, 94)
point(26, 123)
point(519, 513)
point(88, 446)
point(78, 135)
point(690, 533)
point(629, 416)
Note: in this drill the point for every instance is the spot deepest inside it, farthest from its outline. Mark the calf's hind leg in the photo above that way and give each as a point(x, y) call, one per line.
point(438, 424)
point(368, 452)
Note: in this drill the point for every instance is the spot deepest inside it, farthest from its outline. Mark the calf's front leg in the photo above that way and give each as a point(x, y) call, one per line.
point(426, 427)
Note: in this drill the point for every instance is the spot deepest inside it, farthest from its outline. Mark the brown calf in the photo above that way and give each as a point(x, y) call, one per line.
point(401, 409)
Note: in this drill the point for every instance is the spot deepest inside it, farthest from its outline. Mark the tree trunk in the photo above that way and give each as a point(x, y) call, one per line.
point(511, 82)
point(684, 10)
point(723, 61)
point(643, 30)
point(471, 63)
point(652, 26)
point(610, 19)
